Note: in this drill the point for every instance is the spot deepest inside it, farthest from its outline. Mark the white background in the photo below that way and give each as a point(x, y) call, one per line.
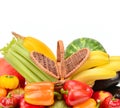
point(51, 20)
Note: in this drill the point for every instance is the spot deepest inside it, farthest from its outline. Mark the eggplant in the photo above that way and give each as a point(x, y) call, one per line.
point(114, 90)
point(103, 84)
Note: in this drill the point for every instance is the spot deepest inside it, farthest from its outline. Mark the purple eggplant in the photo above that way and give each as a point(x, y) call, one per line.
point(114, 90)
point(104, 84)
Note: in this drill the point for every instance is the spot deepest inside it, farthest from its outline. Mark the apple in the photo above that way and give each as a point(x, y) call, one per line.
point(6, 68)
point(24, 104)
point(17, 93)
point(99, 96)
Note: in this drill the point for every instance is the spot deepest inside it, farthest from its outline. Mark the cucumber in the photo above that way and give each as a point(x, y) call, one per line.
point(83, 42)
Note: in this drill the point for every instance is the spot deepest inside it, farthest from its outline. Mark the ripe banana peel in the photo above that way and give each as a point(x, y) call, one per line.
point(114, 63)
point(33, 44)
point(114, 58)
point(96, 58)
point(90, 75)
point(105, 71)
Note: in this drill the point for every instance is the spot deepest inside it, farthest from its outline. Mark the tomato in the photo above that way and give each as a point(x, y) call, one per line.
point(9, 81)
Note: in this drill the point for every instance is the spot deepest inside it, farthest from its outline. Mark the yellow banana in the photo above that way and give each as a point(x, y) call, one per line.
point(96, 58)
point(105, 71)
point(90, 75)
point(114, 64)
point(114, 58)
point(31, 44)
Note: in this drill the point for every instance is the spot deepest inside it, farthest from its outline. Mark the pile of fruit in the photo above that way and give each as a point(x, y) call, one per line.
point(82, 75)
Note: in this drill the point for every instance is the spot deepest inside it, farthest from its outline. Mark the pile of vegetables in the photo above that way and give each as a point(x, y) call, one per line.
point(83, 75)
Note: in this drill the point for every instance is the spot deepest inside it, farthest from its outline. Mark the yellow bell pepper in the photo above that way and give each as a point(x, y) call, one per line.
point(39, 93)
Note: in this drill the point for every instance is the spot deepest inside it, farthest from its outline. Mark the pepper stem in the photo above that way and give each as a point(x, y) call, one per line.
point(63, 91)
point(98, 104)
point(58, 95)
point(9, 95)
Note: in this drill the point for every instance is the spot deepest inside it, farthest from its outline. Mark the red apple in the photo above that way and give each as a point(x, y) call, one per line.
point(24, 104)
point(6, 68)
point(17, 93)
point(99, 96)
point(110, 102)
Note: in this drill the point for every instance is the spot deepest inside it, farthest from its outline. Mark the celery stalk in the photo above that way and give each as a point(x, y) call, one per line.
point(19, 48)
point(20, 67)
point(19, 58)
point(33, 69)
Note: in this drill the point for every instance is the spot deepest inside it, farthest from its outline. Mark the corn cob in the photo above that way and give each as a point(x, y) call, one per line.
point(19, 58)
point(32, 43)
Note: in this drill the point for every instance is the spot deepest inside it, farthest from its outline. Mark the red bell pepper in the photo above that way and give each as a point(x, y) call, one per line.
point(110, 102)
point(76, 92)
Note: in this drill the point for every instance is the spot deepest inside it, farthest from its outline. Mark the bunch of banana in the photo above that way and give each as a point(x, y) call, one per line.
point(98, 66)
point(32, 43)
point(114, 64)
point(96, 58)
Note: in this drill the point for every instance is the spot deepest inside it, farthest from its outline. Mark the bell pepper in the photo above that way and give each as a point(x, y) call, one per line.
point(9, 81)
point(76, 92)
point(110, 102)
point(39, 93)
point(90, 103)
